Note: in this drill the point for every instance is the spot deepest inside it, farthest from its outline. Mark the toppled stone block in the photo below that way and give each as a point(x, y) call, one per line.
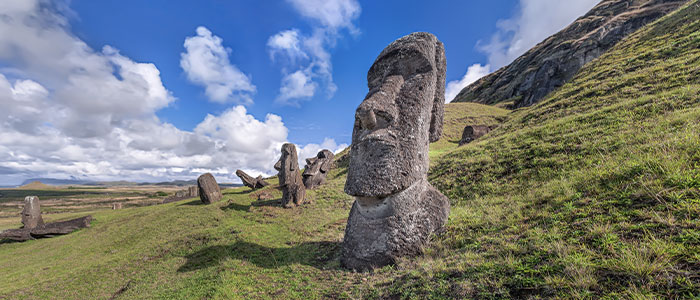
point(249, 181)
point(473, 132)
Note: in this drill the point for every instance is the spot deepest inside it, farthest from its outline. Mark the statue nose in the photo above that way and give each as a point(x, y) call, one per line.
point(368, 119)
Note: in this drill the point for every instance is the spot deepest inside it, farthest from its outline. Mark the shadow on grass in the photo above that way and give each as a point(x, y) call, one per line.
point(241, 207)
point(315, 254)
point(193, 202)
point(236, 191)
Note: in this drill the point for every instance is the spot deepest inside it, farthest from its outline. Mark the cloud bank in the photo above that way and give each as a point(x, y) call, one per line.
point(306, 58)
point(535, 21)
point(70, 111)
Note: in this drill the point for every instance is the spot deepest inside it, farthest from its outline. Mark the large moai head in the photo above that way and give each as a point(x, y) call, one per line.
point(317, 168)
point(399, 117)
point(209, 191)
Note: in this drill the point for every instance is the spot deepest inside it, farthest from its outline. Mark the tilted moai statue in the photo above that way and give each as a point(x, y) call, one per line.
point(209, 191)
point(473, 132)
point(193, 191)
point(249, 181)
point(293, 189)
point(31, 213)
point(396, 210)
point(317, 169)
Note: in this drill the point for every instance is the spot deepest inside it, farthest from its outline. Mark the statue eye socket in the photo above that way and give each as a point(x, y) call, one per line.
point(384, 119)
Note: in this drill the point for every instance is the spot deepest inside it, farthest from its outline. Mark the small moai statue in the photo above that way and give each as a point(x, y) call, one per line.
point(31, 213)
point(293, 190)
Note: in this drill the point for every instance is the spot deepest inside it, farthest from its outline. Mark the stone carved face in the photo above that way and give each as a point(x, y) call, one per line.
point(287, 165)
point(317, 168)
point(400, 116)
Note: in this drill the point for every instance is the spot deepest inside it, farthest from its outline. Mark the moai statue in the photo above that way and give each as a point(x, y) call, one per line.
point(117, 205)
point(317, 169)
point(209, 191)
point(293, 189)
point(473, 132)
point(31, 213)
point(396, 210)
point(193, 191)
point(249, 181)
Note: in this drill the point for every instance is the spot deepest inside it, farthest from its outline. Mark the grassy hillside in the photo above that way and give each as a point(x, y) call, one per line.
point(594, 193)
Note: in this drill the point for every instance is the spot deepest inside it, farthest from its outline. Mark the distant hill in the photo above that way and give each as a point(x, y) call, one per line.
point(54, 181)
point(36, 185)
point(555, 61)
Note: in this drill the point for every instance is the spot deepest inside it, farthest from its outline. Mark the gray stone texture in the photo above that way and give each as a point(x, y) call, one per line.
point(249, 181)
point(31, 213)
point(396, 210)
point(555, 61)
point(317, 169)
point(293, 190)
point(209, 191)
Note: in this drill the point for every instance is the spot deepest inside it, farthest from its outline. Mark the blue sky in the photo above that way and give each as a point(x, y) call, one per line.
point(110, 90)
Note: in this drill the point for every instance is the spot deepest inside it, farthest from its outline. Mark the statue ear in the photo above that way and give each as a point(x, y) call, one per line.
point(438, 110)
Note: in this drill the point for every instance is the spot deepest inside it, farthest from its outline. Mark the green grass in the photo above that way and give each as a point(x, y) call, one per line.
point(592, 194)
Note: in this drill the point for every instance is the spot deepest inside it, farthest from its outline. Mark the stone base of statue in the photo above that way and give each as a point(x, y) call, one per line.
point(380, 230)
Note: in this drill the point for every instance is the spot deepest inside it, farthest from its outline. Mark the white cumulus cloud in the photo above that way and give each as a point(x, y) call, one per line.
point(308, 54)
point(69, 111)
point(206, 63)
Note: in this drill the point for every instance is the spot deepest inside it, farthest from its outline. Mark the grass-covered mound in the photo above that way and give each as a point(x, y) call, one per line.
point(594, 193)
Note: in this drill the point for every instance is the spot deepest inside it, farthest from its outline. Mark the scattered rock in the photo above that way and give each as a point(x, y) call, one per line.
point(555, 61)
point(292, 186)
point(193, 191)
point(396, 210)
point(473, 132)
point(249, 181)
point(31, 213)
point(317, 168)
point(116, 206)
point(34, 227)
point(209, 191)
point(190, 192)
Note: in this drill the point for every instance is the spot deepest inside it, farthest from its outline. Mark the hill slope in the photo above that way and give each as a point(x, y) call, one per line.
point(553, 62)
point(593, 193)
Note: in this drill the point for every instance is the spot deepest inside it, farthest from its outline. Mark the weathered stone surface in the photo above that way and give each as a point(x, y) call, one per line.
point(46, 230)
point(249, 181)
point(473, 132)
point(209, 191)
point(190, 192)
point(193, 191)
point(293, 190)
point(317, 168)
point(555, 61)
point(396, 210)
point(116, 206)
point(31, 213)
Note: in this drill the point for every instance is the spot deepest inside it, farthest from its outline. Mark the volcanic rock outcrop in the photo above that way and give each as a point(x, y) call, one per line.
point(293, 190)
point(555, 61)
point(473, 132)
point(209, 191)
point(249, 181)
point(317, 168)
point(396, 210)
point(34, 226)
